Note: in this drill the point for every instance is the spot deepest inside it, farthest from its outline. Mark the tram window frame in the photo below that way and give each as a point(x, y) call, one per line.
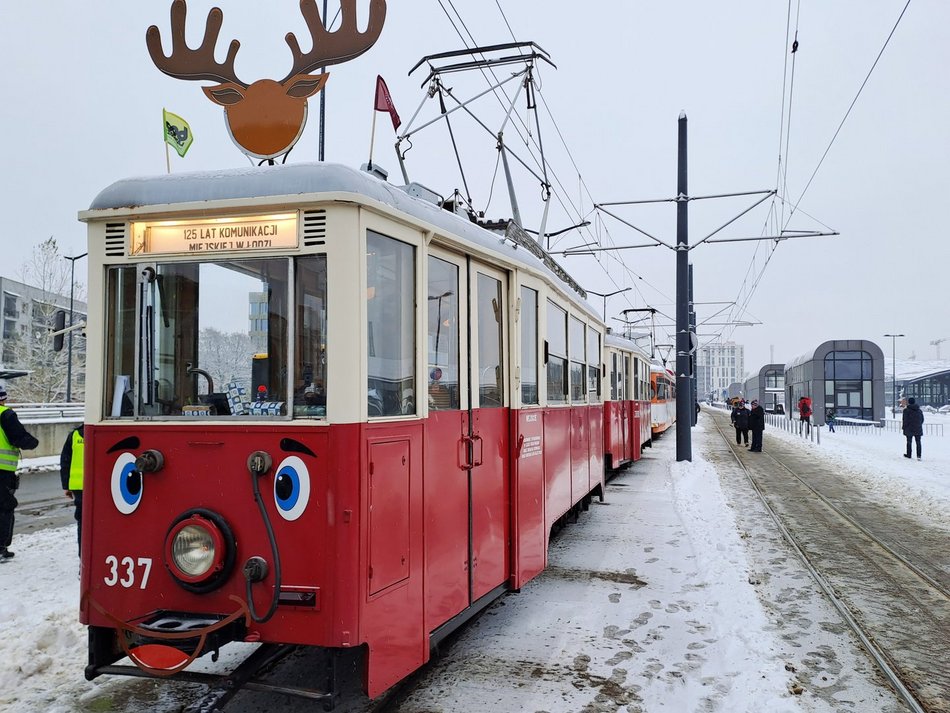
point(310, 339)
point(557, 390)
point(443, 312)
point(593, 364)
point(530, 393)
point(392, 329)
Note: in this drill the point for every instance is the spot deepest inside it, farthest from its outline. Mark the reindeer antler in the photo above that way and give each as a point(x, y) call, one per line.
point(339, 46)
point(187, 63)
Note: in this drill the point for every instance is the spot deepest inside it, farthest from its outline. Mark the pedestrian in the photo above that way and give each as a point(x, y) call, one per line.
point(70, 473)
point(913, 423)
point(830, 420)
point(740, 419)
point(804, 413)
point(757, 426)
point(13, 438)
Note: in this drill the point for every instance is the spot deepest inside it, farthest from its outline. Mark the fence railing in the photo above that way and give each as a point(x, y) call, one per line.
point(46, 412)
point(851, 426)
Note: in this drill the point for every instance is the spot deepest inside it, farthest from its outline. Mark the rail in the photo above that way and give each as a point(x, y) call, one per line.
point(48, 412)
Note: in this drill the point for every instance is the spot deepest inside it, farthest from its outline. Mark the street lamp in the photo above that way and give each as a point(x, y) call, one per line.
point(69, 352)
point(894, 370)
point(605, 295)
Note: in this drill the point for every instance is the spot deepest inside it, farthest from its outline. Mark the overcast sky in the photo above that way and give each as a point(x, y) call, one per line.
point(83, 102)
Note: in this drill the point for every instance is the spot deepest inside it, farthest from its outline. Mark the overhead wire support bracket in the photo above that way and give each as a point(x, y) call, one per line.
point(536, 53)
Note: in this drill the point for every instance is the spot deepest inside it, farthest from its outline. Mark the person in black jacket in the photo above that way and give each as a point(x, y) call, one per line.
point(757, 426)
point(913, 425)
point(71, 474)
point(740, 419)
point(13, 439)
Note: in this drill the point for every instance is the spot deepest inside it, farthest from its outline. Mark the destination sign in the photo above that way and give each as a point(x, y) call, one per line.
point(239, 234)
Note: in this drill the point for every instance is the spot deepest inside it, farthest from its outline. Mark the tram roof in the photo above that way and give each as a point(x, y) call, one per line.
point(618, 342)
point(150, 193)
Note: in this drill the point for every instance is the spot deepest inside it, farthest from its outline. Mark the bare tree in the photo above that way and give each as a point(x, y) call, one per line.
point(226, 356)
point(49, 275)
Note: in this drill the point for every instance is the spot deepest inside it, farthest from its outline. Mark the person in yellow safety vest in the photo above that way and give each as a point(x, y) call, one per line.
point(70, 473)
point(13, 439)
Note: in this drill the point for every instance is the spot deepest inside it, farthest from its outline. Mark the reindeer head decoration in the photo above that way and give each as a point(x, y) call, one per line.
point(265, 118)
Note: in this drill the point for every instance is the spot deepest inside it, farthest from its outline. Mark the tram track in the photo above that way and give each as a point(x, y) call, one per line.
point(886, 573)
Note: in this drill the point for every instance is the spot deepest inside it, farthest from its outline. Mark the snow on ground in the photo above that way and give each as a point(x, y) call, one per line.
point(692, 603)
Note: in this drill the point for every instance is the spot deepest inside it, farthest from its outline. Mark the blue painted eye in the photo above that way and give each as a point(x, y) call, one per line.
point(126, 484)
point(292, 488)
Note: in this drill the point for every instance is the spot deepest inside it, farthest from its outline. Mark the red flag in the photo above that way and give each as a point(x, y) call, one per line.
point(384, 102)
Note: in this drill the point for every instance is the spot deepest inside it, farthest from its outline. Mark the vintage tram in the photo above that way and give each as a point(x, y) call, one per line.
point(663, 398)
point(323, 410)
point(627, 425)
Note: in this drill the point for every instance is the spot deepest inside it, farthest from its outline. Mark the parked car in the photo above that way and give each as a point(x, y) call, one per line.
point(944, 409)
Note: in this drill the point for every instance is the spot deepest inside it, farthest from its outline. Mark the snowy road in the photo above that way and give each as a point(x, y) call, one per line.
point(677, 594)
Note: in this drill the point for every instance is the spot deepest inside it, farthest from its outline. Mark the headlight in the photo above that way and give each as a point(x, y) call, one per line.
point(199, 551)
point(193, 550)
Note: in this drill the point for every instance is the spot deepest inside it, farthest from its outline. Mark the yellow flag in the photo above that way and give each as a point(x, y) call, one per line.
point(177, 133)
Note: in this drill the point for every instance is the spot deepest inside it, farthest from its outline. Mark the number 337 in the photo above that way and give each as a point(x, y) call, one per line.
point(123, 571)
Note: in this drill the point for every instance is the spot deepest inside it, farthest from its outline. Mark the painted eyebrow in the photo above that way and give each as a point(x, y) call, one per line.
point(125, 444)
point(289, 445)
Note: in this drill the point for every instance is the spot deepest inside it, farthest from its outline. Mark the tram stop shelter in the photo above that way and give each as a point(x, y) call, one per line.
point(846, 375)
point(768, 388)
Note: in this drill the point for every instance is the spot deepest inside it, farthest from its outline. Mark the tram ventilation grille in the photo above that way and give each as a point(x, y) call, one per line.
point(314, 227)
point(115, 239)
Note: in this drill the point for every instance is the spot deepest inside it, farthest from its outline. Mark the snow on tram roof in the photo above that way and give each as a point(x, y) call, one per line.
point(140, 194)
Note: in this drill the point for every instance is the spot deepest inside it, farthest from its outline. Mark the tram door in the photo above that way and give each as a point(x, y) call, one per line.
point(467, 432)
point(488, 427)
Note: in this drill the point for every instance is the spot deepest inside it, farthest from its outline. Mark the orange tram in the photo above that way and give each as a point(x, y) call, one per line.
point(662, 399)
point(324, 411)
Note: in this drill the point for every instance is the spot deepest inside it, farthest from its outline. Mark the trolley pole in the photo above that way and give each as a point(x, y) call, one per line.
point(684, 411)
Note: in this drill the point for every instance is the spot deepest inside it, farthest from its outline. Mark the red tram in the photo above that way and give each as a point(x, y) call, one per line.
point(627, 409)
point(325, 411)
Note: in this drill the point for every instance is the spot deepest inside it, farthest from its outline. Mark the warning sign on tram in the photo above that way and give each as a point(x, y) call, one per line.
point(240, 234)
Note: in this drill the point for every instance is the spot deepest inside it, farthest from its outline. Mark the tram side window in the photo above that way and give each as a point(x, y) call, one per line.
point(578, 360)
point(490, 335)
point(529, 346)
point(391, 326)
point(613, 376)
point(593, 365)
point(310, 344)
point(443, 335)
point(557, 353)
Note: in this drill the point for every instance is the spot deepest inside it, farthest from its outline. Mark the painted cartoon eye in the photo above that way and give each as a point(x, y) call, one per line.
point(126, 484)
point(292, 488)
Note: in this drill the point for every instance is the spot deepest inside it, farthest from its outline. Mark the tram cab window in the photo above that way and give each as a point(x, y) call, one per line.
point(199, 340)
point(391, 326)
point(310, 345)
